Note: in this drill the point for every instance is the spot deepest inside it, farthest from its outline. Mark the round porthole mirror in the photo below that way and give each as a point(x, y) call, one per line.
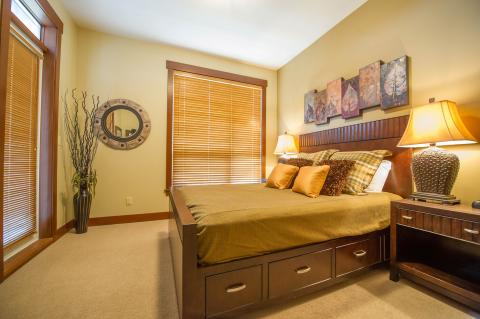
point(122, 124)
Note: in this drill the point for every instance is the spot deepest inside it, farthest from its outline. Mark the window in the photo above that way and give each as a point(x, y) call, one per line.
point(20, 146)
point(27, 18)
point(216, 130)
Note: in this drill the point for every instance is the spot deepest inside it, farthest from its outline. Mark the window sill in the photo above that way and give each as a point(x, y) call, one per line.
point(23, 256)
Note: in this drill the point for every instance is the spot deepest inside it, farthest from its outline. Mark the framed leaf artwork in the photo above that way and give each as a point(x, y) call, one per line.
point(394, 83)
point(321, 111)
point(384, 84)
point(369, 85)
point(350, 99)
point(309, 107)
point(334, 97)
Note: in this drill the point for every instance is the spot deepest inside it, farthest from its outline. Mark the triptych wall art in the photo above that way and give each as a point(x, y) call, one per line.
point(384, 84)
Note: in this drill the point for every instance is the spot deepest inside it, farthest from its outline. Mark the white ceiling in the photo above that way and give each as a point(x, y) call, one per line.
point(268, 33)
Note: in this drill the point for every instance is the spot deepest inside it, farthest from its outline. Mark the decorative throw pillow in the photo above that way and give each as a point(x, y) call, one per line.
point(282, 176)
point(299, 162)
point(366, 164)
point(317, 157)
point(337, 176)
point(380, 177)
point(310, 180)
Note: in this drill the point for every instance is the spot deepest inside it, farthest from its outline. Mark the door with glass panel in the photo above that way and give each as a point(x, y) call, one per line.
point(21, 136)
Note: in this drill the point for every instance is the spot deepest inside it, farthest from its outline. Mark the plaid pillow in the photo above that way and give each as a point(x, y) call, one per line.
point(317, 157)
point(366, 164)
point(299, 162)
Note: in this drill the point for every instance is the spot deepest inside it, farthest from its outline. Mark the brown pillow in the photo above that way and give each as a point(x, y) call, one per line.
point(299, 162)
point(337, 176)
point(310, 180)
point(282, 176)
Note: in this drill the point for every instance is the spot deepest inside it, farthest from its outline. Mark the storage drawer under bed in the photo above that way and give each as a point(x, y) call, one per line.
point(233, 290)
point(357, 255)
point(288, 275)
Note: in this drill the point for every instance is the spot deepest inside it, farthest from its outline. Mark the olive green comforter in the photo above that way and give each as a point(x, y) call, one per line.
point(237, 221)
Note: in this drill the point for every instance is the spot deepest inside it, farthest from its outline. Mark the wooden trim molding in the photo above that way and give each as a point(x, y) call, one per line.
point(4, 36)
point(176, 66)
point(63, 230)
point(168, 181)
point(123, 219)
point(215, 73)
point(264, 131)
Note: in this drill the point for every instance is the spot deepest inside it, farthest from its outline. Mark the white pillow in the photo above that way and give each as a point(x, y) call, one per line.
point(380, 177)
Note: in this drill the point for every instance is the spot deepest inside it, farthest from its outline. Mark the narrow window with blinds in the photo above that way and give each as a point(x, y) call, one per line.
point(20, 148)
point(216, 131)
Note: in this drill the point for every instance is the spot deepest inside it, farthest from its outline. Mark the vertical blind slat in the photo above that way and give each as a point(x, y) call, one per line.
point(20, 156)
point(217, 131)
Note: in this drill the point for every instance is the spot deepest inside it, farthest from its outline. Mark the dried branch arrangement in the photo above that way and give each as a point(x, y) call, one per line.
point(81, 138)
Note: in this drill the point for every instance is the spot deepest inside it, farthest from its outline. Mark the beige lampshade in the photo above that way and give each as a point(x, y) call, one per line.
point(436, 123)
point(286, 145)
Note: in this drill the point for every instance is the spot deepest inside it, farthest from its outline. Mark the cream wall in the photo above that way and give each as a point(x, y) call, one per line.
point(68, 80)
point(116, 67)
point(442, 38)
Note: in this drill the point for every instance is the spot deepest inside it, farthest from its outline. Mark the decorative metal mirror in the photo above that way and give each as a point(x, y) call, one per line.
point(122, 124)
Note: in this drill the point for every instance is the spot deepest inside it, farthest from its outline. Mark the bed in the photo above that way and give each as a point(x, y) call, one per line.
point(228, 254)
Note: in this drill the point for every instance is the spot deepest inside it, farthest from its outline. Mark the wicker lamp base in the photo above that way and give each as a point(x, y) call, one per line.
point(434, 172)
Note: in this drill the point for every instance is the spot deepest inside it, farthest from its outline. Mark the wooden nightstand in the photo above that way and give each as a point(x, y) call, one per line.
point(437, 246)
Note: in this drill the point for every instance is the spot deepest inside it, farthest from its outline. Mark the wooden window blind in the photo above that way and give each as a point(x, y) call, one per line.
point(217, 131)
point(20, 154)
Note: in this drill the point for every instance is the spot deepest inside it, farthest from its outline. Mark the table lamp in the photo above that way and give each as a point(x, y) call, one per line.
point(435, 169)
point(286, 145)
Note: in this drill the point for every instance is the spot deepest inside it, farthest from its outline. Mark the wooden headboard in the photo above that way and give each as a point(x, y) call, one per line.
point(376, 135)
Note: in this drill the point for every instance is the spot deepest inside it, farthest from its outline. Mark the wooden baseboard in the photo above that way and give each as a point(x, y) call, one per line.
point(123, 219)
point(111, 220)
point(63, 230)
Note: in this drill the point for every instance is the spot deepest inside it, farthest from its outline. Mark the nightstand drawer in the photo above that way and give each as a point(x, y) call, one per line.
point(407, 217)
point(442, 225)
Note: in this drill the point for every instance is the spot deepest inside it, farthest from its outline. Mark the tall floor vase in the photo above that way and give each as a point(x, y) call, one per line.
point(82, 201)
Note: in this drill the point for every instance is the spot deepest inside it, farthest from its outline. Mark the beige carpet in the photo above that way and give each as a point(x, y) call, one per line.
point(124, 271)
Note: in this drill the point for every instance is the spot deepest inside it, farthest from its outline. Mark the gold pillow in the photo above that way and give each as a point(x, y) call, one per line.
point(310, 180)
point(282, 176)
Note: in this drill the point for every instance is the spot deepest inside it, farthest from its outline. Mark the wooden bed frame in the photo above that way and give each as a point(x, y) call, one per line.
point(231, 288)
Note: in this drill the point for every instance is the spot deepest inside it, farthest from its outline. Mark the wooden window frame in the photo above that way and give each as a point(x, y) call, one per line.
point(50, 43)
point(176, 66)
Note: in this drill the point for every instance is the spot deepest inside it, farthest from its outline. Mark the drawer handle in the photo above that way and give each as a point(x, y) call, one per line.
point(303, 270)
point(471, 231)
point(235, 288)
point(360, 253)
point(407, 217)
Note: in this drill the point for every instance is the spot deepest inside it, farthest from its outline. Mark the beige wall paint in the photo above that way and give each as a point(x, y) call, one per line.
point(116, 67)
point(68, 80)
point(440, 36)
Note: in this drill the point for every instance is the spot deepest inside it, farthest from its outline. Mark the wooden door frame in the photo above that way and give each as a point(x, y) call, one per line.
point(176, 66)
point(50, 43)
